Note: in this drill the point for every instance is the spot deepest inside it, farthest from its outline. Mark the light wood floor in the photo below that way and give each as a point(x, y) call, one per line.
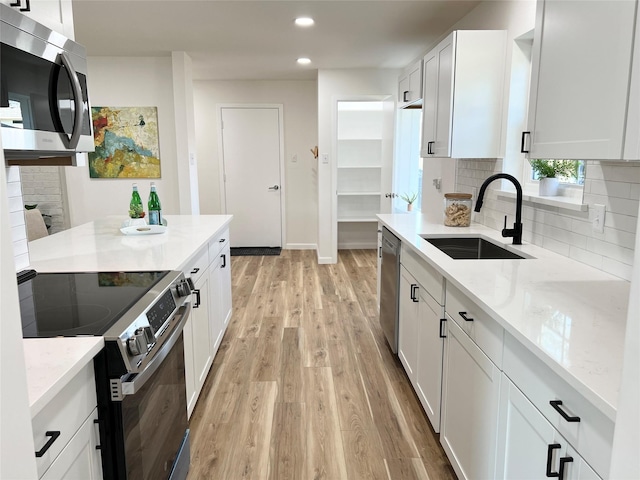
point(304, 385)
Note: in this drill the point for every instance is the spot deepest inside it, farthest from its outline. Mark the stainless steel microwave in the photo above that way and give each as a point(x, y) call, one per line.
point(44, 104)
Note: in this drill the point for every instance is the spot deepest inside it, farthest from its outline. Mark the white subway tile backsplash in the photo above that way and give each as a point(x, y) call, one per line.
point(570, 233)
point(16, 218)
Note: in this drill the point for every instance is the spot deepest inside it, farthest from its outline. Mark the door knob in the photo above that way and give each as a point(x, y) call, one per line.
point(275, 187)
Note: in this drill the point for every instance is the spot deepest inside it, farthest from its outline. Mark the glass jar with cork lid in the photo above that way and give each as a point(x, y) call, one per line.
point(457, 209)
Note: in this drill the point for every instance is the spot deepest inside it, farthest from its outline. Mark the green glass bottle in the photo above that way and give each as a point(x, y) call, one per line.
point(155, 211)
point(135, 206)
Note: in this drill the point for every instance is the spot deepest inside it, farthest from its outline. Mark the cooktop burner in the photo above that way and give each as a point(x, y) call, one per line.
point(72, 304)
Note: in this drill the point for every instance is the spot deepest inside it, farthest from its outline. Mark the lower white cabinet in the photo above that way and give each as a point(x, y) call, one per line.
point(408, 323)
point(530, 447)
point(65, 434)
point(80, 459)
point(210, 270)
point(220, 295)
point(470, 397)
point(198, 347)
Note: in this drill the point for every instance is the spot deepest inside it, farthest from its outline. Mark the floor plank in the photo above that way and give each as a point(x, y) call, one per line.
point(304, 385)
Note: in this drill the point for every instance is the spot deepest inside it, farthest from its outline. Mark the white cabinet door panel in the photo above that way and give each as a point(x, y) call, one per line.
point(408, 323)
point(470, 397)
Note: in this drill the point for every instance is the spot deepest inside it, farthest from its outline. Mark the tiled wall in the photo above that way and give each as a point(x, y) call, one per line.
point(16, 218)
point(567, 232)
point(42, 186)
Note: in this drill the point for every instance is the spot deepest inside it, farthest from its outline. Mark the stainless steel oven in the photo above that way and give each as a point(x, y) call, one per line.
point(140, 374)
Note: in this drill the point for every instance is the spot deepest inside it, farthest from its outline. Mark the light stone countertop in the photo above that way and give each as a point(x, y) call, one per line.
point(100, 246)
point(568, 314)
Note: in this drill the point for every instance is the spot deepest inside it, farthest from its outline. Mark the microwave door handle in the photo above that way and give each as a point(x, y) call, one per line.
point(77, 95)
point(130, 388)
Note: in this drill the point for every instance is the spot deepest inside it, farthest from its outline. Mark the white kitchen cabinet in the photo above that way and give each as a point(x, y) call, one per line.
point(65, 433)
point(470, 397)
point(198, 351)
point(529, 446)
point(54, 14)
point(590, 433)
point(409, 311)
point(463, 79)
point(410, 86)
point(579, 103)
point(220, 295)
point(80, 459)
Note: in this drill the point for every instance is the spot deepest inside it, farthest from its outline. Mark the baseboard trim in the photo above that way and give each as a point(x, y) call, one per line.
point(358, 246)
point(301, 246)
point(325, 260)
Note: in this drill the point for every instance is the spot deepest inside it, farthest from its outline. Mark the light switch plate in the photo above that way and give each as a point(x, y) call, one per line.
point(597, 220)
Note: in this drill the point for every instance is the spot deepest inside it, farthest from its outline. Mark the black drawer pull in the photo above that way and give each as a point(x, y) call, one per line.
point(27, 6)
point(414, 287)
point(464, 316)
point(404, 96)
point(224, 261)
point(442, 322)
point(196, 292)
point(522, 141)
point(195, 270)
point(550, 449)
point(556, 406)
point(222, 240)
point(54, 436)
point(429, 149)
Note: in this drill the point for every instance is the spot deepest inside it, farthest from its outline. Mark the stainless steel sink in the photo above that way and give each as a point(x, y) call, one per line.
point(465, 248)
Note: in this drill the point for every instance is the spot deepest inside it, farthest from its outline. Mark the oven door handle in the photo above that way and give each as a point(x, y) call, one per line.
point(134, 386)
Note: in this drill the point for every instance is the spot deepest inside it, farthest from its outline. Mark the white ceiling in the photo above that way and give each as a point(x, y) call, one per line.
point(243, 39)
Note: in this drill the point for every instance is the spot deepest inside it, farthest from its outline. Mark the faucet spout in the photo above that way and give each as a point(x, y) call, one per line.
point(516, 231)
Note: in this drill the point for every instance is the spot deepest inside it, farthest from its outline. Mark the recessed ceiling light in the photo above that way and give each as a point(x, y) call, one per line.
point(304, 21)
point(304, 61)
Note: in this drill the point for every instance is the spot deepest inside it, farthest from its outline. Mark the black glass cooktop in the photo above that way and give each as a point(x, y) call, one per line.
point(72, 304)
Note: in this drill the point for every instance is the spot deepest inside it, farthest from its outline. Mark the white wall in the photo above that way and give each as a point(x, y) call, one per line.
point(332, 84)
point(128, 82)
point(299, 100)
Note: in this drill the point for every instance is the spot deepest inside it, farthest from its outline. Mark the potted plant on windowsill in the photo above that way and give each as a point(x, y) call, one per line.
point(549, 173)
point(409, 198)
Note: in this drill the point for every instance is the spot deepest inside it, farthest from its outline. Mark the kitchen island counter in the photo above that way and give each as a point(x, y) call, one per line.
point(100, 246)
point(570, 315)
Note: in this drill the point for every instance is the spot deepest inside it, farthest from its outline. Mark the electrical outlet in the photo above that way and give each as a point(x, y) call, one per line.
point(597, 220)
point(325, 157)
point(294, 158)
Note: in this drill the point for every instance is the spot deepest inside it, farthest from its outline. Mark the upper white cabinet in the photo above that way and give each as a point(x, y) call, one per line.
point(410, 86)
point(583, 102)
point(463, 94)
point(54, 14)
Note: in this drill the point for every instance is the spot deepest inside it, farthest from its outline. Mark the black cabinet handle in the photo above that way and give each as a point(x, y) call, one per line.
point(97, 422)
point(414, 287)
point(522, 141)
point(429, 149)
point(442, 321)
point(195, 270)
point(556, 406)
point(550, 449)
point(404, 96)
point(380, 252)
point(222, 240)
point(27, 6)
point(464, 316)
point(224, 261)
point(14, 4)
point(54, 436)
point(196, 292)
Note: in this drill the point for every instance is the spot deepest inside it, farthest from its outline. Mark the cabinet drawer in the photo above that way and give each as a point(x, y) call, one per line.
point(483, 329)
point(217, 244)
point(197, 265)
point(64, 414)
point(592, 436)
point(427, 276)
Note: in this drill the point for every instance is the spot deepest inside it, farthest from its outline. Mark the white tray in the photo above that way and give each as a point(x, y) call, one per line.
point(144, 229)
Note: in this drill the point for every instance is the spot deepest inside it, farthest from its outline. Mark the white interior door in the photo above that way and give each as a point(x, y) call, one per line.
point(251, 154)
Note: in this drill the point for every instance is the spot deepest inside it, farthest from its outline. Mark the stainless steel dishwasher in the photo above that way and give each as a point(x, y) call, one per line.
point(389, 286)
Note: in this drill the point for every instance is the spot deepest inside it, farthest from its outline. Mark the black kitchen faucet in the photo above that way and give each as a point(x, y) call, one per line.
point(516, 231)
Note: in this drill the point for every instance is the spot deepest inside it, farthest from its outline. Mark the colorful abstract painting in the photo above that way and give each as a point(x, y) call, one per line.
point(126, 142)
